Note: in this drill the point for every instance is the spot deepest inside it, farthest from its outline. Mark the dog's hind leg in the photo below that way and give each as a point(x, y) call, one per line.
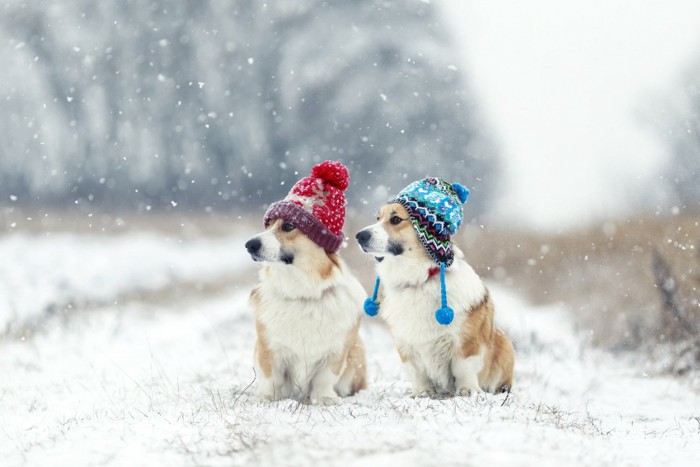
point(353, 370)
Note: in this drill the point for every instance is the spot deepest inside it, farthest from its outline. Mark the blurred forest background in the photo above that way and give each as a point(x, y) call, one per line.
point(218, 106)
point(221, 104)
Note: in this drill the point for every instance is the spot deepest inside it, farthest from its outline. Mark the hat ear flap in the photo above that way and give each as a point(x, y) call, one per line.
point(462, 192)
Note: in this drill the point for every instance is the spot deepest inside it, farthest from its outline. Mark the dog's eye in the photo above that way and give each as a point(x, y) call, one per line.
point(287, 227)
point(395, 220)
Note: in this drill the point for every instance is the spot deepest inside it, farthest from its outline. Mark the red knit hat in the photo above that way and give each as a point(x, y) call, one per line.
point(316, 205)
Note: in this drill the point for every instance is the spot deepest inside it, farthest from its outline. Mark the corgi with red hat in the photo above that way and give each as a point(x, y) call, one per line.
point(307, 304)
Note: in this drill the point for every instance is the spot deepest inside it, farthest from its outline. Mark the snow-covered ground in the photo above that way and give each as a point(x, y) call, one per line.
point(170, 382)
point(46, 272)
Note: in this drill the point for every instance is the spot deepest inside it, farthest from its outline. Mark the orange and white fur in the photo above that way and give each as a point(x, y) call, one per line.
point(468, 356)
point(307, 316)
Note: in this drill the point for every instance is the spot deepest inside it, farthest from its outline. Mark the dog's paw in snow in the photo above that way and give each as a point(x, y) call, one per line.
point(422, 393)
point(326, 400)
point(266, 399)
point(467, 391)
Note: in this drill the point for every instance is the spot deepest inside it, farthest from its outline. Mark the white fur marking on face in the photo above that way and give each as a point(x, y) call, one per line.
point(271, 247)
point(379, 242)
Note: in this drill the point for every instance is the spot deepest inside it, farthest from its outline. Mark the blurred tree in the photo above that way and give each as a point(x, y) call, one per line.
point(225, 103)
point(681, 126)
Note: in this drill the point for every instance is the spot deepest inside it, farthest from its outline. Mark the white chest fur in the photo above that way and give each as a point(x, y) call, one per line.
point(306, 321)
point(410, 301)
point(411, 298)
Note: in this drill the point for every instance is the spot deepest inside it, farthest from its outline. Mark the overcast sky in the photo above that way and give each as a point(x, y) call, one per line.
point(565, 86)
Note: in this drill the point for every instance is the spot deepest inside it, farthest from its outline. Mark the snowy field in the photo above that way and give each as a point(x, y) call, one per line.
point(108, 376)
point(49, 272)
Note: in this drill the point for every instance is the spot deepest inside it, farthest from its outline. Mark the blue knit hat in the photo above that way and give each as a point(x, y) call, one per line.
point(435, 210)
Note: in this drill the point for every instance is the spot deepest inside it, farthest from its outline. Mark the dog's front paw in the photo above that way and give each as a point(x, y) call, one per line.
point(325, 396)
point(467, 391)
point(266, 398)
point(326, 400)
point(421, 393)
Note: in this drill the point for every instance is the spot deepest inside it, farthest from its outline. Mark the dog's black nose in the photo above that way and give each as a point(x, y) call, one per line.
point(363, 236)
point(253, 245)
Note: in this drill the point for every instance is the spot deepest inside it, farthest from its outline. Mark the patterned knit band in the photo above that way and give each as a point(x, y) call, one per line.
point(436, 244)
point(435, 209)
point(305, 221)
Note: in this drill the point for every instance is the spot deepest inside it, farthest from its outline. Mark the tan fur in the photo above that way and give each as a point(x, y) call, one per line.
point(353, 362)
point(263, 353)
point(403, 355)
point(332, 264)
point(403, 232)
point(478, 332)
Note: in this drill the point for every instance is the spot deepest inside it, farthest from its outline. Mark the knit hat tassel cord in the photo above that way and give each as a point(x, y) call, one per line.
point(371, 304)
point(443, 315)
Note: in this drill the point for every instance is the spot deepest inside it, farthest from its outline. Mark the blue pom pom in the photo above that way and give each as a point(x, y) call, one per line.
point(371, 307)
point(462, 192)
point(444, 315)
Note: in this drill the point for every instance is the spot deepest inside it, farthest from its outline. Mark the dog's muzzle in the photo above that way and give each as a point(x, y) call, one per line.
point(363, 237)
point(253, 246)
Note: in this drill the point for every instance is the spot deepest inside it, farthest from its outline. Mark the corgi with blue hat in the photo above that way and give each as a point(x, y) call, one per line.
point(438, 309)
